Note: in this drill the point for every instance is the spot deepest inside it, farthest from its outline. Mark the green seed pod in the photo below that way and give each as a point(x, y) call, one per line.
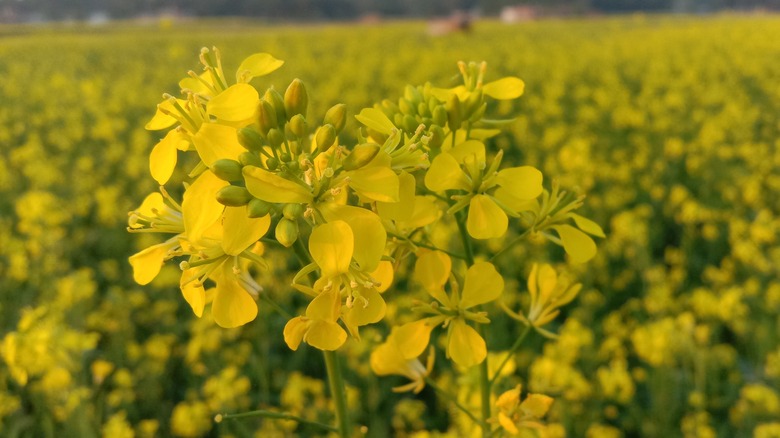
point(266, 117)
point(325, 137)
point(453, 113)
point(410, 123)
point(336, 116)
point(298, 125)
point(275, 137)
point(295, 98)
point(233, 196)
point(250, 159)
point(227, 170)
point(479, 113)
point(440, 115)
point(286, 232)
point(250, 139)
point(292, 211)
point(361, 155)
point(258, 208)
point(277, 102)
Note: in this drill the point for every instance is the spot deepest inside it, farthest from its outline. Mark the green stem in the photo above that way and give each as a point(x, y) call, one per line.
point(338, 392)
point(454, 401)
point(276, 416)
point(425, 245)
point(509, 354)
point(509, 245)
point(464, 237)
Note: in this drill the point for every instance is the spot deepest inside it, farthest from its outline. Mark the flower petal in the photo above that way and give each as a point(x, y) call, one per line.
point(271, 187)
point(294, 331)
point(214, 141)
point(465, 346)
point(483, 284)
point(235, 104)
point(486, 220)
point(587, 225)
point(370, 236)
point(200, 209)
point(331, 246)
point(325, 335)
point(232, 306)
point(504, 88)
point(162, 160)
point(259, 64)
point(240, 230)
point(523, 183)
point(147, 263)
point(577, 244)
point(412, 338)
point(445, 174)
point(376, 120)
point(432, 269)
point(193, 291)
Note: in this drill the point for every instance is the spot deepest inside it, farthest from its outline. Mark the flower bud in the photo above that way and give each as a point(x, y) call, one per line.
point(298, 125)
point(405, 106)
point(437, 137)
point(336, 116)
point(233, 196)
point(266, 117)
point(422, 109)
point(410, 123)
point(295, 98)
point(250, 159)
point(250, 139)
point(473, 102)
point(286, 232)
point(258, 208)
point(227, 170)
point(440, 115)
point(275, 137)
point(292, 211)
point(453, 113)
point(479, 113)
point(272, 163)
point(325, 137)
point(277, 102)
point(361, 155)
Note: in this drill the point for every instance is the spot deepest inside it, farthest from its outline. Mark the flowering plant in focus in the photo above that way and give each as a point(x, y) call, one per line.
point(358, 217)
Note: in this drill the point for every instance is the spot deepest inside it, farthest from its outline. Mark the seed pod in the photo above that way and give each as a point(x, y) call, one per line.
point(277, 102)
point(233, 196)
point(298, 125)
point(295, 99)
point(250, 139)
point(250, 159)
point(325, 137)
point(361, 155)
point(258, 208)
point(227, 170)
point(479, 113)
point(266, 117)
point(286, 232)
point(336, 116)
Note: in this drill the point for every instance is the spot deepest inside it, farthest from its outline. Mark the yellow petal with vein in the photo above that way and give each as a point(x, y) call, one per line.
point(466, 347)
point(483, 284)
point(523, 183)
point(577, 244)
point(271, 187)
point(505, 88)
point(214, 141)
point(147, 263)
point(325, 335)
point(486, 220)
point(232, 306)
point(240, 230)
point(331, 246)
point(237, 103)
point(199, 206)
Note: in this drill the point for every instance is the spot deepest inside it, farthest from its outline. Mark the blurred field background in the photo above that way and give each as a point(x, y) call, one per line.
point(669, 124)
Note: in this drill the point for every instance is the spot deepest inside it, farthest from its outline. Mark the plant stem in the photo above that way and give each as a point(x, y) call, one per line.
point(275, 415)
point(338, 392)
point(509, 354)
point(454, 401)
point(509, 245)
point(425, 245)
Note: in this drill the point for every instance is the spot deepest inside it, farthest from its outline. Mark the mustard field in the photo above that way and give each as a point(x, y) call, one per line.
point(423, 235)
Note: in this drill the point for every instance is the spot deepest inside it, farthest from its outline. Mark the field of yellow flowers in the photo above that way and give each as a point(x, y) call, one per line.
point(669, 126)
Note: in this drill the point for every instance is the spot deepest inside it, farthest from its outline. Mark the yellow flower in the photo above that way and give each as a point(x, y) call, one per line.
point(549, 293)
point(389, 358)
point(482, 284)
point(514, 415)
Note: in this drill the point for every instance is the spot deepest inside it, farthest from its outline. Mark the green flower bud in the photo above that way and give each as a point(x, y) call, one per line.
point(336, 116)
point(272, 163)
point(250, 139)
point(398, 119)
point(406, 106)
point(440, 115)
point(258, 208)
point(266, 117)
point(422, 109)
point(277, 102)
point(389, 108)
point(250, 159)
point(295, 98)
point(227, 170)
point(286, 232)
point(292, 211)
point(233, 196)
point(479, 113)
point(325, 137)
point(361, 155)
point(437, 137)
point(298, 125)
point(473, 102)
point(453, 113)
point(410, 123)
point(275, 137)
